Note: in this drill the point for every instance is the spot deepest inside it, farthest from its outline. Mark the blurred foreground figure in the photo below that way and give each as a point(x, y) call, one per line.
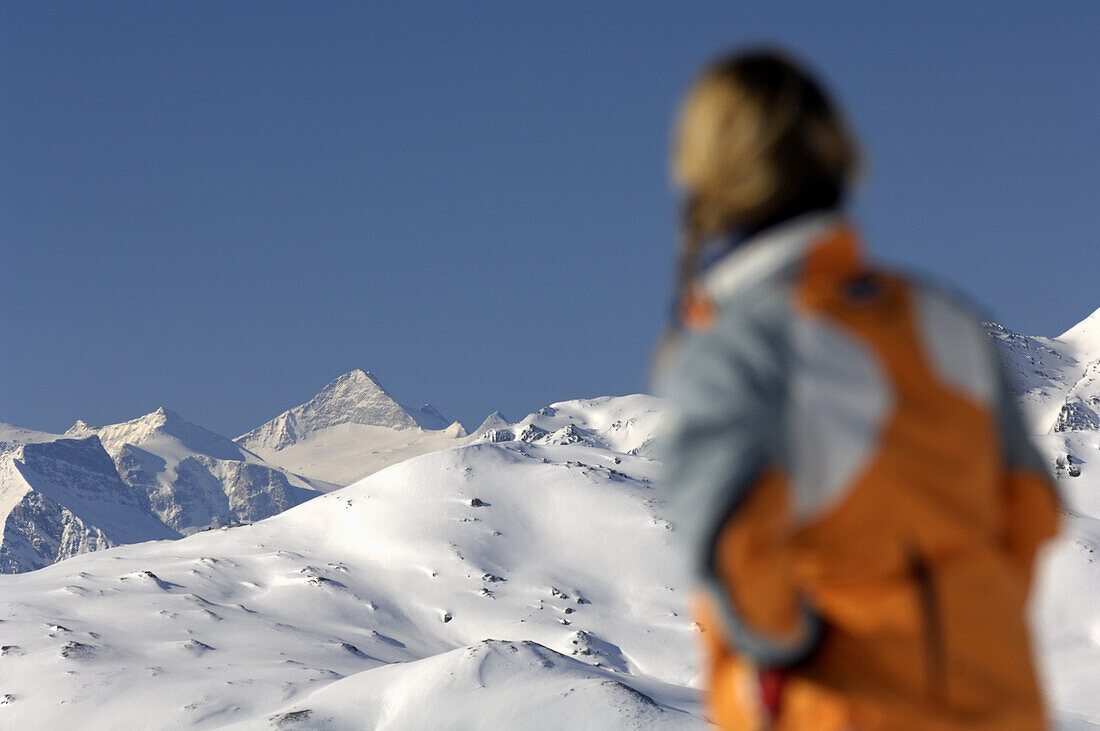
point(861, 500)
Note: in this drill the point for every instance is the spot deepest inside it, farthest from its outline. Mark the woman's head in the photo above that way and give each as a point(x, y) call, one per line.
point(757, 141)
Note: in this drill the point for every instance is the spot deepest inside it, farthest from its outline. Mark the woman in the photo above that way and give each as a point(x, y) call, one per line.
point(854, 483)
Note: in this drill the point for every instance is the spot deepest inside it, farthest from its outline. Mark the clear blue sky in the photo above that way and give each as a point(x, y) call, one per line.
point(219, 206)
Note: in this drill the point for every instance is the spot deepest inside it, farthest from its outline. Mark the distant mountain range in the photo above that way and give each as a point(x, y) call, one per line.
point(62, 497)
point(374, 604)
point(182, 478)
point(159, 476)
point(524, 578)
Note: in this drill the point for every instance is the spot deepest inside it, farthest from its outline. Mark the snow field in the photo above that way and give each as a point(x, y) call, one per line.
point(388, 593)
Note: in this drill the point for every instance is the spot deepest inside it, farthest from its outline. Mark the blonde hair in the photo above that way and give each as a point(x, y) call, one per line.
point(756, 141)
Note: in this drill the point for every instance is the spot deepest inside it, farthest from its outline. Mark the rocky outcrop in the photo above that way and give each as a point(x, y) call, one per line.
point(64, 497)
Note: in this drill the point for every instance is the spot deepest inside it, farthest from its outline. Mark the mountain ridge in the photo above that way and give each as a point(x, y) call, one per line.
point(64, 497)
point(529, 532)
point(355, 397)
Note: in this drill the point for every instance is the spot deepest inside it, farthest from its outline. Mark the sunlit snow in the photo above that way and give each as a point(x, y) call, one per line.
point(522, 576)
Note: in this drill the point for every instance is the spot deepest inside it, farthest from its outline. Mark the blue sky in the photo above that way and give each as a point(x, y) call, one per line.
point(218, 207)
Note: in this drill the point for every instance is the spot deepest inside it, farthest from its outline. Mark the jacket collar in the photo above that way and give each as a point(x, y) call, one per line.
point(772, 252)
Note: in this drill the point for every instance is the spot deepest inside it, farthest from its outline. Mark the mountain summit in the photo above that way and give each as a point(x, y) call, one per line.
point(191, 478)
point(160, 424)
point(354, 398)
point(349, 430)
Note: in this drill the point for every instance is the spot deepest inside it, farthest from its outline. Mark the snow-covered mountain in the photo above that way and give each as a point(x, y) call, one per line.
point(354, 398)
point(62, 497)
point(519, 577)
point(351, 429)
point(12, 436)
point(1054, 375)
point(193, 478)
point(153, 477)
point(622, 424)
point(495, 420)
point(493, 585)
point(1056, 384)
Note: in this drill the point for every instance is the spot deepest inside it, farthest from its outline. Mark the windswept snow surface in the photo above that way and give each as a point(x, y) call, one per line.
point(493, 684)
point(492, 585)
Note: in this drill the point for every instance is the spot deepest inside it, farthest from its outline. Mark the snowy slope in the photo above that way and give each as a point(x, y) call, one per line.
point(1056, 378)
point(12, 436)
point(63, 497)
point(428, 417)
point(344, 453)
point(478, 687)
point(521, 578)
point(1081, 402)
point(351, 429)
point(193, 478)
point(621, 423)
point(1056, 382)
point(495, 420)
point(378, 602)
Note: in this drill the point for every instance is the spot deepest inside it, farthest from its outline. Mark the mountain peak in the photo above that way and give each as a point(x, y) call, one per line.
point(358, 375)
point(159, 425)
point(356, 397)
point(163, 417)
point(495, 420)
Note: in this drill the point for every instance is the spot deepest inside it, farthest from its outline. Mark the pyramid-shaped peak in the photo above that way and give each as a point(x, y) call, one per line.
point(79, 426)
point(356, 397)
point(354, 381)
point(356, 389)
point(495, 420)
point(165, 416)
point(160, 419)
point(358, 375)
